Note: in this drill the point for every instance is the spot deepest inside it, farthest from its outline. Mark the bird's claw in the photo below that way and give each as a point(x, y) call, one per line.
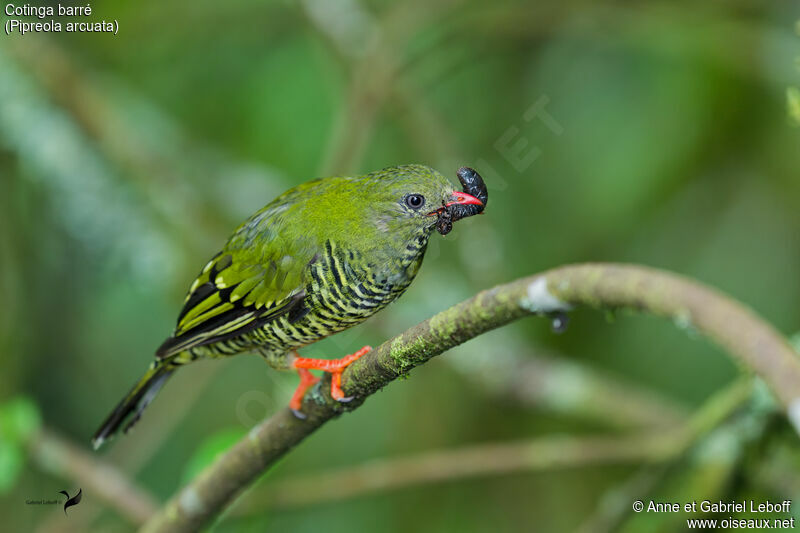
point(298, 414)
point(334, 366)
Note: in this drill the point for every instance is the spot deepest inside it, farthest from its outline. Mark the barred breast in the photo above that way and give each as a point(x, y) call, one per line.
point(344, 289)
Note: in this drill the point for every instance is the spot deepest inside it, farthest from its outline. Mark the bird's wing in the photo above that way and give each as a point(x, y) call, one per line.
point(239, 290)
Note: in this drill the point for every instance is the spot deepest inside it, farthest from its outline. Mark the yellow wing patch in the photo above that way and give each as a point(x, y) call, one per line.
point(231, 296)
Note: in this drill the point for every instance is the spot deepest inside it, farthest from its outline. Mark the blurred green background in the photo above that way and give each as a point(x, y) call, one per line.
point(645, 132)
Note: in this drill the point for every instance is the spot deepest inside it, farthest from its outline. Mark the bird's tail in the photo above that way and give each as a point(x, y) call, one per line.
point(134, 402)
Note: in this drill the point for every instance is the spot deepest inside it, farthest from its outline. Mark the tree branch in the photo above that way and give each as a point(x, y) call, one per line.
point(607, 286)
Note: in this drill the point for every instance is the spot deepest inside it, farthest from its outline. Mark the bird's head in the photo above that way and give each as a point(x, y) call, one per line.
point(416, 199)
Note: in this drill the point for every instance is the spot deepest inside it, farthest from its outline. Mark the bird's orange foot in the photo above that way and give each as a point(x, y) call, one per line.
point(334, 366)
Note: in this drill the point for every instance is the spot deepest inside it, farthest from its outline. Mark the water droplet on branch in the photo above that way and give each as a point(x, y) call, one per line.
point(559, 321)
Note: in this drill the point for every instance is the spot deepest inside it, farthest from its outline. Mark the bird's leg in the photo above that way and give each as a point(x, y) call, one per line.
point(307, 380)
point(334, 366)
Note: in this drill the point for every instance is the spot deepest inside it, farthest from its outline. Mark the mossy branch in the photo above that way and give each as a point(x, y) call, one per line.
point(604, 286)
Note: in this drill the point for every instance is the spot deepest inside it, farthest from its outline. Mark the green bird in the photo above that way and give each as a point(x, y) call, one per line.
point(320, 258)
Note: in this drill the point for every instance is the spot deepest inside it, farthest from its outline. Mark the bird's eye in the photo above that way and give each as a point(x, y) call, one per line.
point(415, 201)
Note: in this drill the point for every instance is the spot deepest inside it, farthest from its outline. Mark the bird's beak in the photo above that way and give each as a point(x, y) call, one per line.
point(462, 198)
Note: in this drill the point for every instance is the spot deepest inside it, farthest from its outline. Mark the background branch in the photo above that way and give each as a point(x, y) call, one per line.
point(541, 453)
point(689, 304)
point(59, 457)
point(540, 379)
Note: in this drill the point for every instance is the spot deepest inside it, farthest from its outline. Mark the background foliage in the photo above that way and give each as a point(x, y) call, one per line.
point(649, 133)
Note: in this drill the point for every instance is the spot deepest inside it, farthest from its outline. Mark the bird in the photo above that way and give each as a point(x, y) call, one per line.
point(320, 258)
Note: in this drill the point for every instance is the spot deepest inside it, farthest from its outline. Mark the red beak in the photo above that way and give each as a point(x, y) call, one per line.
point(462, 198)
